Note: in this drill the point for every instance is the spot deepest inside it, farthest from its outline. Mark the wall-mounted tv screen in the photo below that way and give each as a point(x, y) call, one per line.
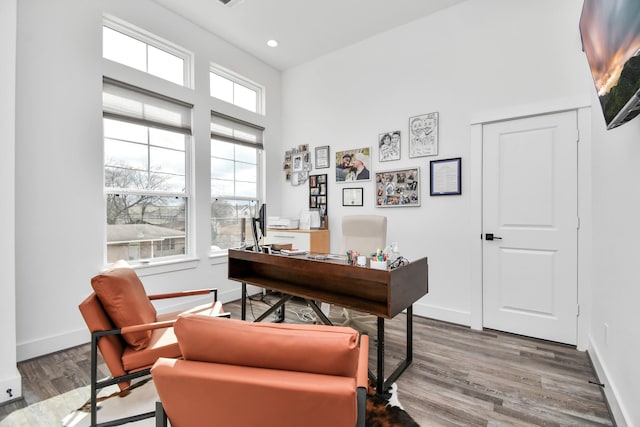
point(610, 31)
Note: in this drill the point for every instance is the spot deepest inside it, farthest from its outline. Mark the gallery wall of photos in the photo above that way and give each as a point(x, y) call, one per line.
point(394, 187)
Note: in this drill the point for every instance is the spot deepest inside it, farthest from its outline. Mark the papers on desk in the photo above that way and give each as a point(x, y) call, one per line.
point(293, 252)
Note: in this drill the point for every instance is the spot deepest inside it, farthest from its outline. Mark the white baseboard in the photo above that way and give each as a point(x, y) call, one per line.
point(11, 387)
point(615, 405)
point(81, 335)
point(442, 313)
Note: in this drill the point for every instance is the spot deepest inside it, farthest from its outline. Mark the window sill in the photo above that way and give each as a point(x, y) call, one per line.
point(150, 268)
point(218, 257)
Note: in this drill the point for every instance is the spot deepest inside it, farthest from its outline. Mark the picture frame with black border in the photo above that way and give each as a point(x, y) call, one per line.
point(398, 188)
point(318, 193)
point(446, 177)
point(352, 196)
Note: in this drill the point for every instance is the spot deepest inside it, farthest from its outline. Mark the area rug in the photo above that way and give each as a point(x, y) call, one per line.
point(71, 410)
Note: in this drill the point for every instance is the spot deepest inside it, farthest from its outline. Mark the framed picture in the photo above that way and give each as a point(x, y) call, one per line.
point(352, 197)
point(423, 135)
point(445, 177)
point(322, 157)
point(318, 193)
point(353, 165)
point(389, 146)
point(398, 188)
point(298, 162)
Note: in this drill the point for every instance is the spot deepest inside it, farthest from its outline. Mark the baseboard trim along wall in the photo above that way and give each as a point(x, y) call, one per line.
point(29, 349)
point(615, 405)
point(442, 313)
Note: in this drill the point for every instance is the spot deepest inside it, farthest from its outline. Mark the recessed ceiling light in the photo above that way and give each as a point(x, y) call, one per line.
point(272, 43)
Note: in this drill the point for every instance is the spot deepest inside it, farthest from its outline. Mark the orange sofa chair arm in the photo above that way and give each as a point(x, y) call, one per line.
point(185, 294)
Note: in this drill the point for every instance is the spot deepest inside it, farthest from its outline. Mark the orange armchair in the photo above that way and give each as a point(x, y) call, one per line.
point(128, 331)
point(238, 373)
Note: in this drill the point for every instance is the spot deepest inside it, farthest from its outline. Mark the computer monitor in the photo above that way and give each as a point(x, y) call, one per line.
point(259, 221)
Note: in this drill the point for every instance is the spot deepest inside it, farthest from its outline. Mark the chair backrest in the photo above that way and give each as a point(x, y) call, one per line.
point(240, 373)
point(363, 233)
point(112, 346)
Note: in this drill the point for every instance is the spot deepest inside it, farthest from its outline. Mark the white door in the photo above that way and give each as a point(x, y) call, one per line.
point(530, 207)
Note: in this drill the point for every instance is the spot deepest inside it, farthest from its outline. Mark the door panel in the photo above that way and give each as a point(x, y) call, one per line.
point(530, 205)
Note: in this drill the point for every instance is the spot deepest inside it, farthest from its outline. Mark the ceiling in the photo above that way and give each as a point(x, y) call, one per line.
point(305, 29)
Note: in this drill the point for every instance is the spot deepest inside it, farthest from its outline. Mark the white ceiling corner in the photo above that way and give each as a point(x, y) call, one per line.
point(304, 29)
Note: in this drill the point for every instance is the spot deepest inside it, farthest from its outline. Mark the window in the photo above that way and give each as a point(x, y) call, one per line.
point(236, 153)
point(235, 90)
point(144, 52)
point(146, 158)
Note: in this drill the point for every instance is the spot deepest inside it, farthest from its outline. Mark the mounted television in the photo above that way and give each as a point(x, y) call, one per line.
point(610, 32)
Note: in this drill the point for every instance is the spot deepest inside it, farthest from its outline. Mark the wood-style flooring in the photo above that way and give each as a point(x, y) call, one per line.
point(459, 377)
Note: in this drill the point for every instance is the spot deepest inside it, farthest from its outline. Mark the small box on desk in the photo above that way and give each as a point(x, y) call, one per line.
point(281, 246)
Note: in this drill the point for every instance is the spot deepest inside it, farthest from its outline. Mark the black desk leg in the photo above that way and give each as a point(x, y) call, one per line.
point(243, 312)
point(380, 361)
point(409, 334)
point(381, 384)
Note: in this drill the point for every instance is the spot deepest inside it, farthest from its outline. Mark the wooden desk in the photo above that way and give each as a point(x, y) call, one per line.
point(378, 292)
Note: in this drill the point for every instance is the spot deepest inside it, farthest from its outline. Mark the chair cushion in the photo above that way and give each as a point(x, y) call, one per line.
point(163, 343)
point(125, 300)
point(330, 350)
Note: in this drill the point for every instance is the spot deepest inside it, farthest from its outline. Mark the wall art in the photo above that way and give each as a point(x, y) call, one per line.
point(297, 164)
point(353, 165)
point(398, 188)
point(318, 193)
point(389, 146)
point(322, 157)
point(445, 177)
point(423, 135)
point(352, 196)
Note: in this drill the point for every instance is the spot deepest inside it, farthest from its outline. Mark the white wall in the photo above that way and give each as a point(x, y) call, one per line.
point(466, 62)
point(616, 295)
point(9, 375)
point(476, 57)
point(59, 199)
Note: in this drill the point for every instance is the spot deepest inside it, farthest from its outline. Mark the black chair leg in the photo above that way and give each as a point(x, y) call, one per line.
point(161, 416)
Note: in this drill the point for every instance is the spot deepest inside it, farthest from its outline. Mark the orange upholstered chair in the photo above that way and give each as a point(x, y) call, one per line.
point(237, 373)
point(128, 331)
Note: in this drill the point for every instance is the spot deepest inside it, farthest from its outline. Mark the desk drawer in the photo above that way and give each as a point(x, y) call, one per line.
point(297, 240)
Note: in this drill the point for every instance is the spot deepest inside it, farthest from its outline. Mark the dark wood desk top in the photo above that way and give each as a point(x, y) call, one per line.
point(384, 293)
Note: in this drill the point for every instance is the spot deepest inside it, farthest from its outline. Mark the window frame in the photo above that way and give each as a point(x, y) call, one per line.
point(242, 81)
point(186, 194)
point(150, 39)
point(260, 158)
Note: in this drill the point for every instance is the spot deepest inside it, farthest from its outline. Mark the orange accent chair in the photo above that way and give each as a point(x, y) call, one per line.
point(237, 373)
point(128, 331)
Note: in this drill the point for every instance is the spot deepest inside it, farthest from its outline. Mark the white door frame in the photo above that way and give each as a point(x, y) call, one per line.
point(583, 108)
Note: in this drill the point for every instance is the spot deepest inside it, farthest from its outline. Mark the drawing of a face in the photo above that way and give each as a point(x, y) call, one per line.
point(395, 138)
point(422, 128)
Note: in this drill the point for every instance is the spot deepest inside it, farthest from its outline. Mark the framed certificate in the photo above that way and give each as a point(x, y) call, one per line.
point(352, 197)
point(445, 177)
point(322, 157)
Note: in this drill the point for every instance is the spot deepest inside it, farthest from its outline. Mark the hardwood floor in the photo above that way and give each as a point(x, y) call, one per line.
point(459, 377)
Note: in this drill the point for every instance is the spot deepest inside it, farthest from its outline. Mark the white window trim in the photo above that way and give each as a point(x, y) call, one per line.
point(241, 80)
point(144, 36)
